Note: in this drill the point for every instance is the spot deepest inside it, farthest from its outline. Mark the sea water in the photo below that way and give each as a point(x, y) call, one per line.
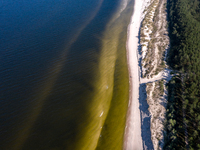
point(63, 74)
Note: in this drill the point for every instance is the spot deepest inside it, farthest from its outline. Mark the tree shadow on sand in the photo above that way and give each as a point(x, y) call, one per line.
point(145, 119)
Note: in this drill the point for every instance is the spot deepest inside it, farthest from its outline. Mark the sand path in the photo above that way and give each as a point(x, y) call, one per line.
point(165, 74)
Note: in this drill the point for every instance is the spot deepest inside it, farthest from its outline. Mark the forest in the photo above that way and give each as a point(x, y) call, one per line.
point(183, 108)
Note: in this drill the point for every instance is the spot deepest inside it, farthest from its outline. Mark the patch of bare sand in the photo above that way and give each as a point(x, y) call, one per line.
point(132, 138)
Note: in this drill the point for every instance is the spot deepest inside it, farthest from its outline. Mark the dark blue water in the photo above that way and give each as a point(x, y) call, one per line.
point(49, 56)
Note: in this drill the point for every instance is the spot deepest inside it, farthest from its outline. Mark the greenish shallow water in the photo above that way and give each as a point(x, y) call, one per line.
point(64, 80)
point(114, 127)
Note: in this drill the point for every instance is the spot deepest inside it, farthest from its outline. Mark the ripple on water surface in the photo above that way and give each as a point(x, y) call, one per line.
point(63, 64)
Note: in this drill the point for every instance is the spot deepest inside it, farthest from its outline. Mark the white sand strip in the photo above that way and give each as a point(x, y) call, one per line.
point(133, 138)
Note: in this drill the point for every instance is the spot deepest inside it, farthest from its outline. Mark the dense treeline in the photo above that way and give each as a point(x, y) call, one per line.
point(183, 110)
point(174, 138)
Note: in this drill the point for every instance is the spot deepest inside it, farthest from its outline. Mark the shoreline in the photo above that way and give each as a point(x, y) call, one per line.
point(132, 136)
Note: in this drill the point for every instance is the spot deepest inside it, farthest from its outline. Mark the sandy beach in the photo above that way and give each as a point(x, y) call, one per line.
point(140, 132)
point(133, 138)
